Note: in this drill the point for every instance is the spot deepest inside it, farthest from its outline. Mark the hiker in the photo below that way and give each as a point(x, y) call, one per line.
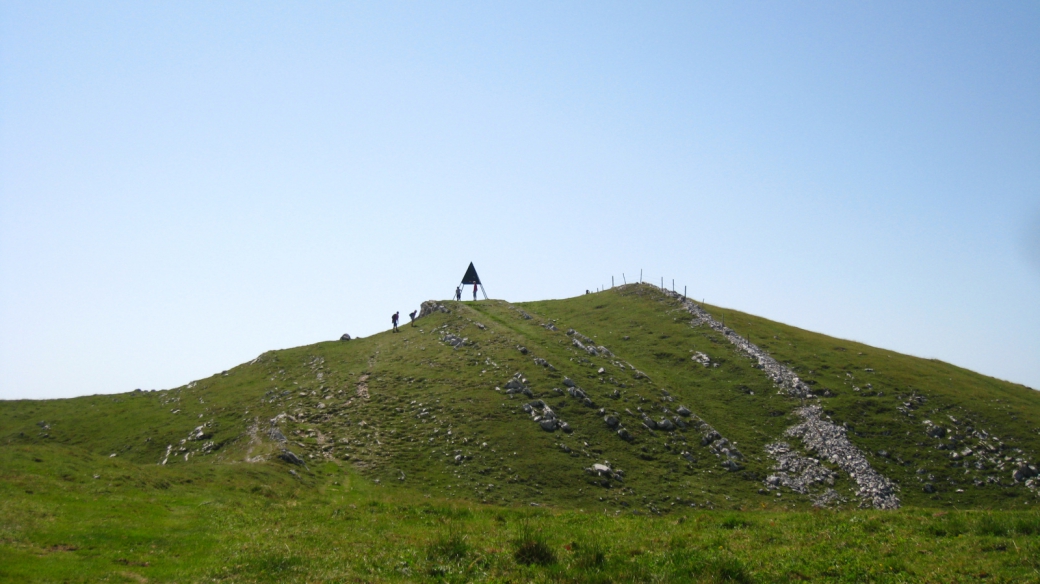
point(411, 315)
point(394, 320)
point(458, 293)
point(474, 290)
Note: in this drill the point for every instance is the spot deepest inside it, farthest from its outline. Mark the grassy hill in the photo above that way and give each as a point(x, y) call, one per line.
point(565, 418)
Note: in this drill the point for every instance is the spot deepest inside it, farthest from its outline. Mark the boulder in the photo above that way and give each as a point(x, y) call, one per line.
point(277, 435)
point(567, 381)
point(731, 465)
point(624, 434)
point(566, 427)
point(666, 425)
point(548, 424)
point(290, 457)
point(611, 421)
point(345, 337)
point(683, 411)
point(1024, 472)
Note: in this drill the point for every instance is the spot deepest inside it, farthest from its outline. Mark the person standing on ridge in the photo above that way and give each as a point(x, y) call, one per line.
point(458, 293)
point(474, 291)
point(393, 319)
point(411, 315)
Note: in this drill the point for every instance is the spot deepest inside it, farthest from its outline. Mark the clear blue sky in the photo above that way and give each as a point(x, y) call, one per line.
point(186, 185)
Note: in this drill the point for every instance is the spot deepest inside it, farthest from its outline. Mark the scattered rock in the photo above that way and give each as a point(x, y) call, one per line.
point(523, 350)
point(934, 430)
point(453, 340)
point(829, 498)
point(831, 443)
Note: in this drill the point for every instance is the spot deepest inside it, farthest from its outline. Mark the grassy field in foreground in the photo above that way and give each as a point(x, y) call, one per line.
point(259, 523)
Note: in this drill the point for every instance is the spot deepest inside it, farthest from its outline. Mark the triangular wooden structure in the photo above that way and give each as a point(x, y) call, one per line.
point(472, 278)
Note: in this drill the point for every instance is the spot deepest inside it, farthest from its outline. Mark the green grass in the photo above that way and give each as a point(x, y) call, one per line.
point(240, 523)
point(433, 474)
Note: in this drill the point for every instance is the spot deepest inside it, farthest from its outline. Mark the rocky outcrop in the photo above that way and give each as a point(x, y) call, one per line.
point(588, 345)
point(431, 306)
point(541, 413)
point(518, 384)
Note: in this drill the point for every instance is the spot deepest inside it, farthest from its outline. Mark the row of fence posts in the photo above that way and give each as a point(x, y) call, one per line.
point(623, 279)
point(641, 280)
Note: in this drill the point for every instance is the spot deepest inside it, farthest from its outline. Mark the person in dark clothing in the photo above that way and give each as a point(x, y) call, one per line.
point(411, 315)
point(394, 320)
point(458, 293)
point(474, 290)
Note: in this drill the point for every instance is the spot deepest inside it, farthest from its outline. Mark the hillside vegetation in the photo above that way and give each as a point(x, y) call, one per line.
point(632, 423)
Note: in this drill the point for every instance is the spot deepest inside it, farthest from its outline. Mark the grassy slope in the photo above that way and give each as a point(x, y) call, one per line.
point(430, 402)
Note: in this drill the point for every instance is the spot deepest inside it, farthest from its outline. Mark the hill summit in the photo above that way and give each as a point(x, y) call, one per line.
point(630, 400)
